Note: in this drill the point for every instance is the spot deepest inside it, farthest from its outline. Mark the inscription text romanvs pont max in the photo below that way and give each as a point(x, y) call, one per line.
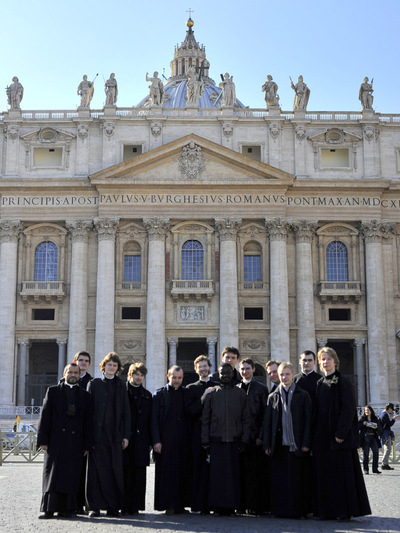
point(201, 199)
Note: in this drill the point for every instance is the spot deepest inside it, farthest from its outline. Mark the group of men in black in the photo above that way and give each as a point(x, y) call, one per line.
point(222, 444)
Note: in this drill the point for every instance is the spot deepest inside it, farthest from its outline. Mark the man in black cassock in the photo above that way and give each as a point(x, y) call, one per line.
point(65, 434)
point(170, 435)
point(196, 394)
point(254, 465)
point(307, 379)
point(225, 430)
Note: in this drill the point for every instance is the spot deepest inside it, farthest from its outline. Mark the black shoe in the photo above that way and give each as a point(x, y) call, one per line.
point(81, 511)
point(386, 467)
point(94, 514)
point(45, 516)
point(68, 516)
point(376, 472)
point(170, 512)
point(366, 472)
point(113, 513)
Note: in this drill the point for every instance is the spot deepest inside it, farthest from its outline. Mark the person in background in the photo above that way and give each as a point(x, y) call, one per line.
point(387, 419)
point(370, 428)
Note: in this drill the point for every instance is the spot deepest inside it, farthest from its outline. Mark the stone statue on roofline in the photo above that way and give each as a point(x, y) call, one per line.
point(365, 94)
point(194, 86)
point(15, 93)
point(228, 91)
point(302, 94)
point(271, 92)
point(86, 91)
point(111, 90)
point(157, 93)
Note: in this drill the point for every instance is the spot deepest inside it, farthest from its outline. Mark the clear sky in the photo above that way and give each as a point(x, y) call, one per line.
point(50, 44)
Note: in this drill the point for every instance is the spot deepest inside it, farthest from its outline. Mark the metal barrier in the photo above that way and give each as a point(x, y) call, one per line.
point(20, 447)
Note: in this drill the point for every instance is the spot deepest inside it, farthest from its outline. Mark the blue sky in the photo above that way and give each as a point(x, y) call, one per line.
point(49, 45)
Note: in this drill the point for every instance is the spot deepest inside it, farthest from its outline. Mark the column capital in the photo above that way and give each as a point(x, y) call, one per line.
point(173, 341)
point(321, 343)
point(377, 231)
point(79, 229)
point(106, 228)
point(228, 227)
point(61, 342)
point(212, 340)
point(359, 342)
point(10, 230)
point(277, 228)
point(304, 230)
point(24, 342)
point(156, 227)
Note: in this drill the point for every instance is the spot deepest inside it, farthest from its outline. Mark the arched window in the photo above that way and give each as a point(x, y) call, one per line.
point(132, 263)
point(192, 260)
point(46, 256)
point(252, 263)
point(336, 262)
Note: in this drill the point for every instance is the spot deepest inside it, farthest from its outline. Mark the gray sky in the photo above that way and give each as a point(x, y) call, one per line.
point(49, 45)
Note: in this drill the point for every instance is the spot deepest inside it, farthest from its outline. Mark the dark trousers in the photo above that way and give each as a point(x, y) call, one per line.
point(370, 442)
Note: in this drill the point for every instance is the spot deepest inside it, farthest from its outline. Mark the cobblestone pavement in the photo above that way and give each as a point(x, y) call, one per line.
point(20, 486)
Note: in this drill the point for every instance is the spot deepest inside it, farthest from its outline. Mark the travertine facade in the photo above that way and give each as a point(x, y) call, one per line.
point(165, 230)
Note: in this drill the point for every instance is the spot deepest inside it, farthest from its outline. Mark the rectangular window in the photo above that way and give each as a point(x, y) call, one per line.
point(130, 313)
point(340, 315)
point(47, 157)
point(131, 150)
point(132, 268)
point(43, 314)
point(253, 152)
point(252, 268)
point(253, 313)
point(335, 158)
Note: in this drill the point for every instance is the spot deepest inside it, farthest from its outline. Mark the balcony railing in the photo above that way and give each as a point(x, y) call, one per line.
point(340, 290)
point(46, 290)
point(199, 288)
point(254, 286)
point(131, 286)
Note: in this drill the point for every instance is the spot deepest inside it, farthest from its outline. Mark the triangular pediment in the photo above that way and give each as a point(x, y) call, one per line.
point(191, 159)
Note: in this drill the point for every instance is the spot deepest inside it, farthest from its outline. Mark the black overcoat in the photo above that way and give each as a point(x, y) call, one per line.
point(138, 451)
point(67, 437)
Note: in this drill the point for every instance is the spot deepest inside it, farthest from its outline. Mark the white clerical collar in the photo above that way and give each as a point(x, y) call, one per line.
point(305, 373)
point(205, 380)
point(70, 386)
point(247, 382)
point(83, 375)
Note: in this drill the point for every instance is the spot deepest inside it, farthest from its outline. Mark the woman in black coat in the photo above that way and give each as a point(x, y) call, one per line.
point(370, 428)
point(287, 439)
point(137, 455)
point(339, 485)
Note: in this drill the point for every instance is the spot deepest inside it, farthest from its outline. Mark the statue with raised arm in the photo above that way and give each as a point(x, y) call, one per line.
point(228, 91)
point(271, 92)
point(15, 93)
point(157, 93)
point(365, 94)
point(85, 91)
point(111, 90)
point(302, 94)
point(194, 86)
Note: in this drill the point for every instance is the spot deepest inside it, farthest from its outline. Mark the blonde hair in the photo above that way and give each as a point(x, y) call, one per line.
point(331, 352)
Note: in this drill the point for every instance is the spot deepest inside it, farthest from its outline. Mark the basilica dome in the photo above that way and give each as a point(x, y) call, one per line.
point(190, 54)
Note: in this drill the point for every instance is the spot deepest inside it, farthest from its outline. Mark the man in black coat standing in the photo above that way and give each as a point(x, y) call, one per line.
point(170, 435)
point(196, 394)
point(254, 463)
point(65, 434)
point(307, 379)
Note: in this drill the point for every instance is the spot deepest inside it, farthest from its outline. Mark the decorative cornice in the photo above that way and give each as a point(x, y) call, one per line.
point(106, 228)
point(228, 227)
point(10, 230)
point(277, 228)
point(377, 231)
point(79, 229)
point(156, 227)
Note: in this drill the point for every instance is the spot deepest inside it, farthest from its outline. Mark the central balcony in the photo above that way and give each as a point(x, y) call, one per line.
point(199, 289)
point(42, 290)
point(344, 291)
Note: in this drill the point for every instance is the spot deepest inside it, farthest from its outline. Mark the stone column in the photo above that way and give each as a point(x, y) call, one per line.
point(304, 231)
point(156, 360)
point(228, 292)
point(79, 279)
point(211, 342)
point(24, 345)
point(279, 296)
point(373, 232)
point(9, 232)
point(173, 344)
point(105, 296)
point(360, 363)
point(62, 350)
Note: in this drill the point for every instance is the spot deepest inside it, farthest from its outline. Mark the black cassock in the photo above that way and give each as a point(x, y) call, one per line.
point(339, 485)
point(67, 436)
point(170, 427)
point(136, 456)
